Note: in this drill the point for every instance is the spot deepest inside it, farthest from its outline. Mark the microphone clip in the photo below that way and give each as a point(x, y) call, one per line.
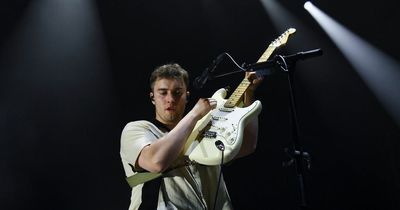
point(201, 80)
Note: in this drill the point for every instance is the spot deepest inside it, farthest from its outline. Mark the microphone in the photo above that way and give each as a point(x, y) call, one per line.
point(302, 55)
point(199, 81)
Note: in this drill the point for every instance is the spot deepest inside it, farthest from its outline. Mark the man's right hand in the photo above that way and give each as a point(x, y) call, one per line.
point(203, 106)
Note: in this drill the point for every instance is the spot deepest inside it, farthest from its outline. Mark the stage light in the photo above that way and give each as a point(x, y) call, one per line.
point(307, 5)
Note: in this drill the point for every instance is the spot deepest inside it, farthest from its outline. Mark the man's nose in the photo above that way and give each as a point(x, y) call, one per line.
point(170, 98)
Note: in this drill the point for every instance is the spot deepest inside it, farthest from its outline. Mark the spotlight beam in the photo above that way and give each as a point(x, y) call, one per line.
point(379, 71)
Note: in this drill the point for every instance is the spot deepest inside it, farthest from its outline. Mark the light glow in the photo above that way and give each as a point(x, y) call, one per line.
point(379, 71)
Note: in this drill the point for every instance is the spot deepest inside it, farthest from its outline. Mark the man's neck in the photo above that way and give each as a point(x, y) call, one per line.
point(162, 125)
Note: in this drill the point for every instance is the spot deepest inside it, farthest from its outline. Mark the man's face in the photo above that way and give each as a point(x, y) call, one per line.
point(170, 96)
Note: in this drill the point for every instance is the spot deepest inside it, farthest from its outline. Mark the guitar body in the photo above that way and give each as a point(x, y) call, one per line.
point(221, 124)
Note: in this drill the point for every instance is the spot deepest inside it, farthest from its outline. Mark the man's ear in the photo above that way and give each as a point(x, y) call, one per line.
point(152, 97)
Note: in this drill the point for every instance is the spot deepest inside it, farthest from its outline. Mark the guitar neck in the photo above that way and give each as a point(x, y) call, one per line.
point(264, 57)
point(237, 95)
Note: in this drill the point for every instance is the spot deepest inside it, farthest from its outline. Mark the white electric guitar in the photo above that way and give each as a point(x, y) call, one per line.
point(224, 125)
point(221, 126)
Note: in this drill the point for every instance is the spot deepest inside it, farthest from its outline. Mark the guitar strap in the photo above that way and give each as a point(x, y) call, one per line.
point(150, 194)
point(141, 177)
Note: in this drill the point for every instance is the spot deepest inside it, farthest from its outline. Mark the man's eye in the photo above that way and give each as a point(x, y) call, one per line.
point(178, 93)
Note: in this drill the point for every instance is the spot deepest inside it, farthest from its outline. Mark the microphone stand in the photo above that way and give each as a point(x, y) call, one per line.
point(297, 155)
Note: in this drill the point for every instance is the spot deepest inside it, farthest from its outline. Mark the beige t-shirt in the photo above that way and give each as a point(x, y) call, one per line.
point(186, 187)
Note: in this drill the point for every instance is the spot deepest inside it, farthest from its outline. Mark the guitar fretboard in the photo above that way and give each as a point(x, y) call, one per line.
point(264, 57)
point(237, 95)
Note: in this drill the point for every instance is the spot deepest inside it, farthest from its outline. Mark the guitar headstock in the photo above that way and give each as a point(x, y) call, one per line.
point(282, 39)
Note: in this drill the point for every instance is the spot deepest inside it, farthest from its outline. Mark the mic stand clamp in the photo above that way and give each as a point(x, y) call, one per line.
point(293, 154)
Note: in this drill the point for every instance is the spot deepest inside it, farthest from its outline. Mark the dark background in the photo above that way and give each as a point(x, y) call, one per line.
point(64, 103)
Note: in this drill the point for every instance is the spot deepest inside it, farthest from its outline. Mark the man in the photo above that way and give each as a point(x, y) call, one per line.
point(155, 147)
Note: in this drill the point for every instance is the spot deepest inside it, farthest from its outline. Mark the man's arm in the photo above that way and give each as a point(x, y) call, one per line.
point(158, 156)
point(250, 133)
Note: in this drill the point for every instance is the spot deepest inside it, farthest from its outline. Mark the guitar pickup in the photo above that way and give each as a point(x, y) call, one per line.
point(210, 134)
point(216, 118)
point(225, 109)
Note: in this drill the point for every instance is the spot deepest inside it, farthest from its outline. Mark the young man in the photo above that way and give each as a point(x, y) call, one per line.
point(154, 146)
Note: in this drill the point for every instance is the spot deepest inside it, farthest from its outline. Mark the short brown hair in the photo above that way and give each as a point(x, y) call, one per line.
point(170, 71)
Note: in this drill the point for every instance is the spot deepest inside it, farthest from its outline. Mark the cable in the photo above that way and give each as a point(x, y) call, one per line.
point(229, 73)
point(220, 145)
point(233, 60)
point(285, 68)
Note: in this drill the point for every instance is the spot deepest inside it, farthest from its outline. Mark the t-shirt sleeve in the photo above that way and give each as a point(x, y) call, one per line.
point(135, 136)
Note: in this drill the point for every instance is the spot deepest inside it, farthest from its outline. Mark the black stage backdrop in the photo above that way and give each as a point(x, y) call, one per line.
point(64, 100)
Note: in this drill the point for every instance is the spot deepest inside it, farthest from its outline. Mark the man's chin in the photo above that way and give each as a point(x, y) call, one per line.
point(172, 118)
